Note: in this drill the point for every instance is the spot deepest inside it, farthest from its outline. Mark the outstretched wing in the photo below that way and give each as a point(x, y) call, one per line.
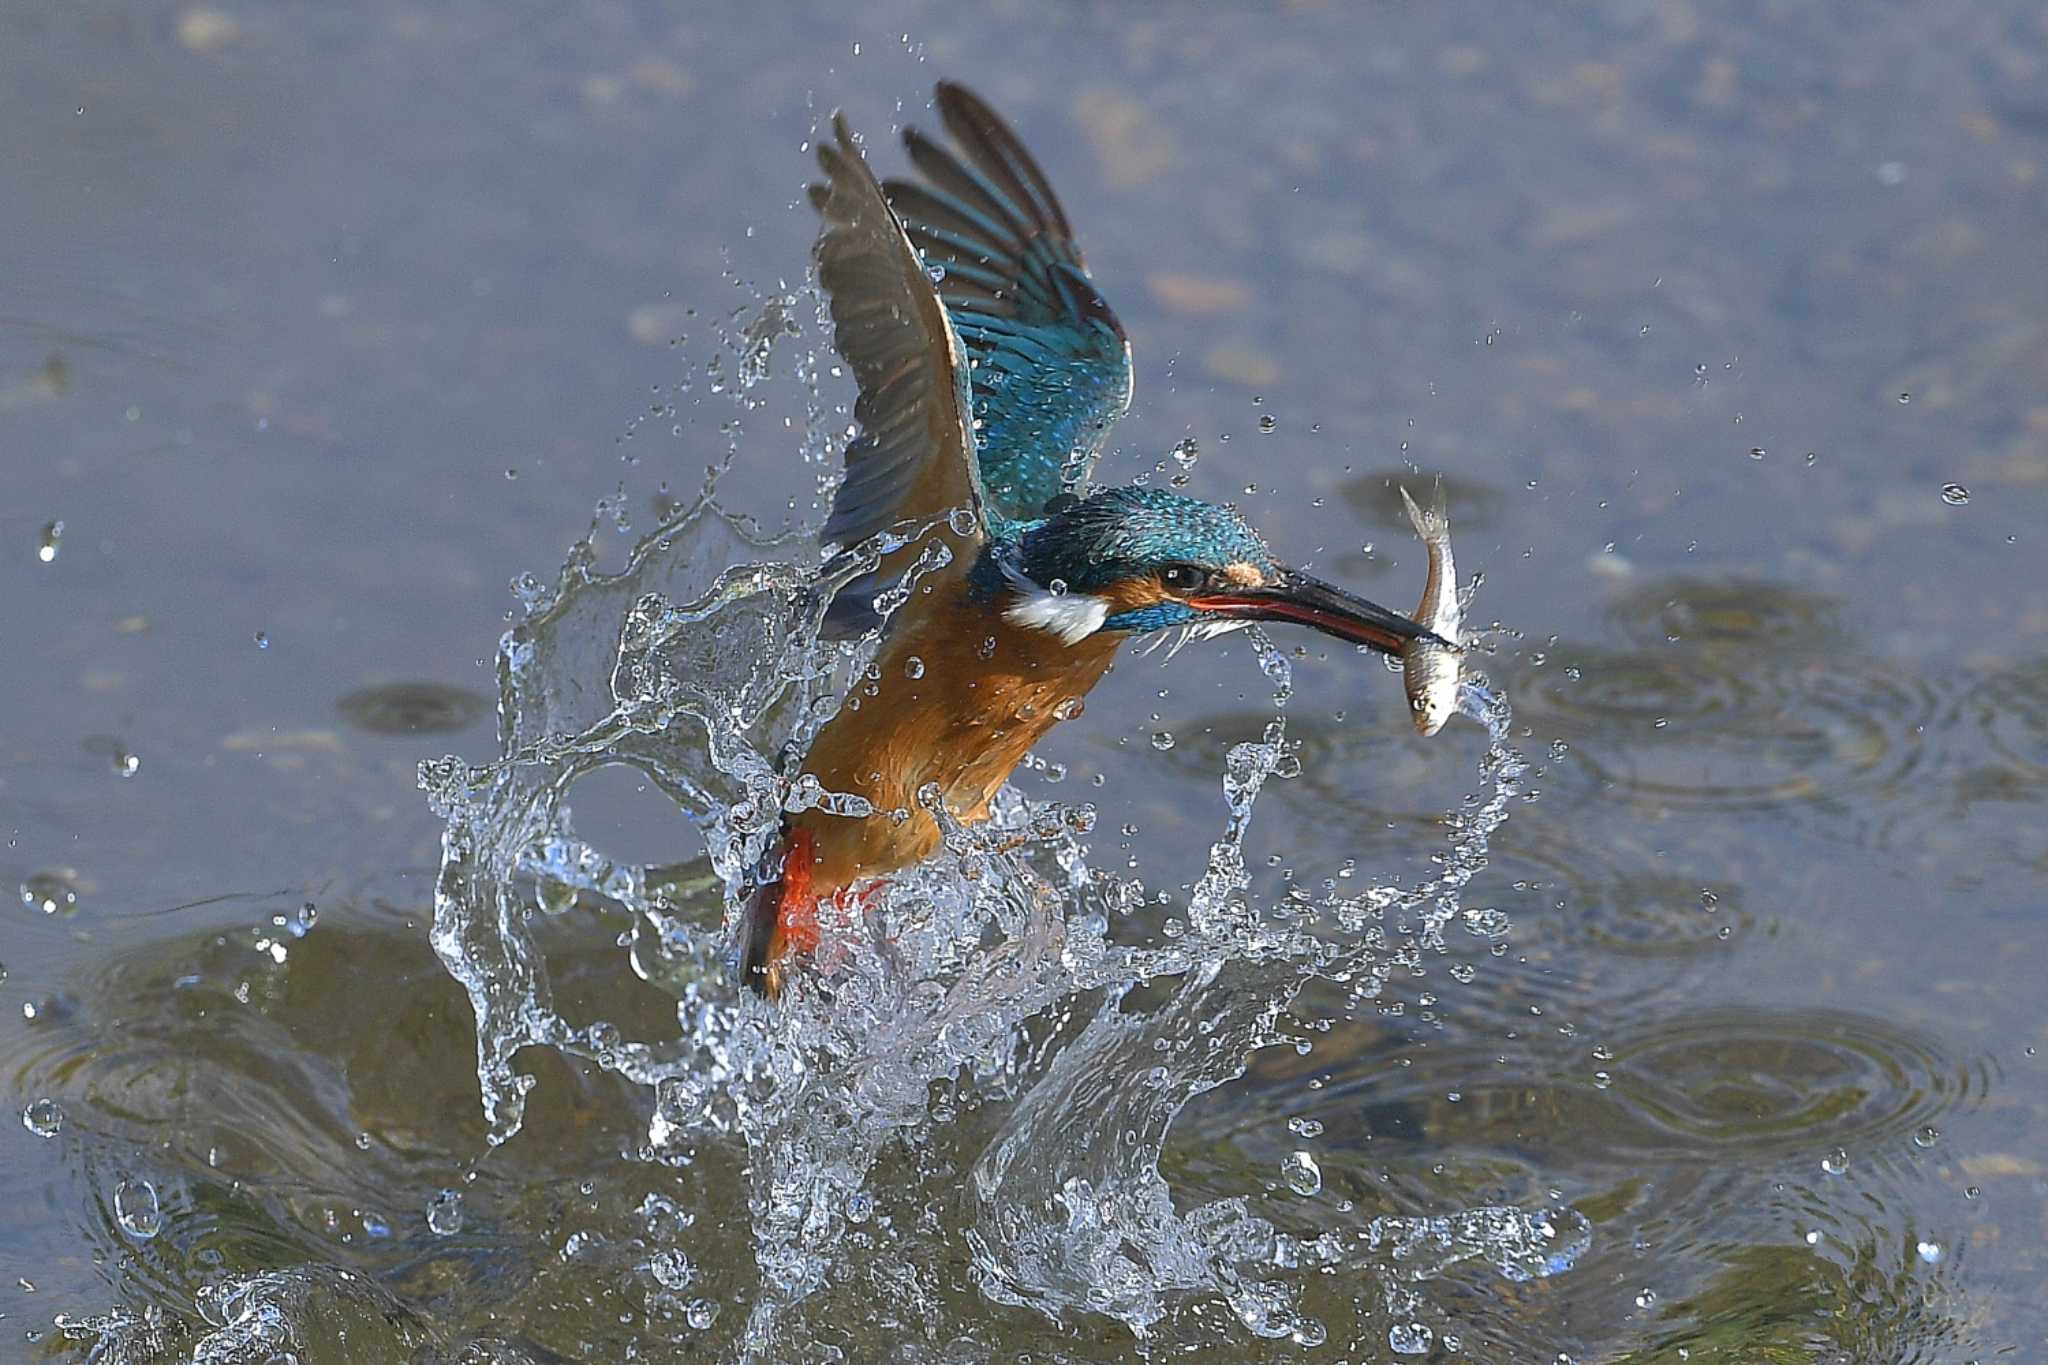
point(914, 456)
point(1052, 368)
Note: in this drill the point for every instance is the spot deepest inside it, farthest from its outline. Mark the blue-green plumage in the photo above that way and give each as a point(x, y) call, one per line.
point(1049, 369)
point(989, 371)
point(1121, 533)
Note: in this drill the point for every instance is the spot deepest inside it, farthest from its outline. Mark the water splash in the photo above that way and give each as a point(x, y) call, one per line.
point(1004, 1011)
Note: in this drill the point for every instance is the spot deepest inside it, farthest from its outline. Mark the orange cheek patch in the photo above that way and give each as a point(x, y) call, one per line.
point(1133, 594)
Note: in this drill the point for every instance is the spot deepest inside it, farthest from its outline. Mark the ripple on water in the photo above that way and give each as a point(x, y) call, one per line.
point(1714, 1089)
point(1613, 924)
point(1757, 1084)
point(1758, 703)
point(2011, 706)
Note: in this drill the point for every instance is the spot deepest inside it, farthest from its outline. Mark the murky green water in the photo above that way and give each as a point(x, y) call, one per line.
point(325, 325)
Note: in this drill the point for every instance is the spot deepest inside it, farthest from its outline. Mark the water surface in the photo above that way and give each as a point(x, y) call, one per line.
point(1724, 327)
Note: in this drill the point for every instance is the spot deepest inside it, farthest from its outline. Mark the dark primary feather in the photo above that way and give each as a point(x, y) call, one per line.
point(1052, 370)
point(912, 458)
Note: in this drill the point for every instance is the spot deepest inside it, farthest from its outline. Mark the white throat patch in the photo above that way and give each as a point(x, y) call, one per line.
point(1073, 616)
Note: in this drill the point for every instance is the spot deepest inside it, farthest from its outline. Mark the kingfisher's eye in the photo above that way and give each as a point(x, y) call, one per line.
point(1184, 577)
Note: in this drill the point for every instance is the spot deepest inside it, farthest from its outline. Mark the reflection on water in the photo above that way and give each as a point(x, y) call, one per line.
point(1792, 1304)
point(301, 1182)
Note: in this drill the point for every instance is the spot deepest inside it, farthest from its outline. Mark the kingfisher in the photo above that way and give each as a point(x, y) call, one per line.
point(989, 372)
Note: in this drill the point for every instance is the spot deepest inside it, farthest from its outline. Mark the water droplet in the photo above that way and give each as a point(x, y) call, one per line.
point(935, 272)
point(1954, 494)
point(444, 1213)
point(1411, 1338)
point(701, 1313)
point(672, 1269)
point(1645, 1298)
point(1305, 1127)
point(1927, 1136)
point(1756, 452)
point(1708, 900)
point(913, 667)
point(1930, 1252)
point(44, 1118)
point(1905, 398)
point(1835, 1162)
point(1267, 423)
point(53, 536)
point(126, 764)
point(1162, 740)
point(50, 893)
point(1302, 1174)
point(1069, 709)
point(262, 639)
point(1185, 452)
point(136, 1209)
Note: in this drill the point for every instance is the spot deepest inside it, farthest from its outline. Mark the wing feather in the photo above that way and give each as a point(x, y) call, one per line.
point(1051, 369)
point(914, 455)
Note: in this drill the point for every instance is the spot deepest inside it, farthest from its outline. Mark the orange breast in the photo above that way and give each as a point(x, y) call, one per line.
point(984, 693)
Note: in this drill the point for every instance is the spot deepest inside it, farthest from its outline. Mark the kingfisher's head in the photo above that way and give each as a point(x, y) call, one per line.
point(1143, 560)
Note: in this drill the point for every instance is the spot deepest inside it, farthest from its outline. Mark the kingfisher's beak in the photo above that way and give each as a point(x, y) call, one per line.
point(1291, 595)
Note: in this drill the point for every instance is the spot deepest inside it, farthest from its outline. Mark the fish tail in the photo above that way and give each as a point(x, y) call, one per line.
point(1433, 524)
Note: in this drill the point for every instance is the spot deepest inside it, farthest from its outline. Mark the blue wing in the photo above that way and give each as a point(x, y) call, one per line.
point(1051, 366)
point(913, 458)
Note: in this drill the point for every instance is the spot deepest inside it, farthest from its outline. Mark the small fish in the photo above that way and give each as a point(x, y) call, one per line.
point(1429, 670)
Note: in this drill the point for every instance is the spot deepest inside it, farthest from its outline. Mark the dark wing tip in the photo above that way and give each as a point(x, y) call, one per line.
point(1086, 301)
point(955, 101)
point(818, 192)
point(996, 150)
